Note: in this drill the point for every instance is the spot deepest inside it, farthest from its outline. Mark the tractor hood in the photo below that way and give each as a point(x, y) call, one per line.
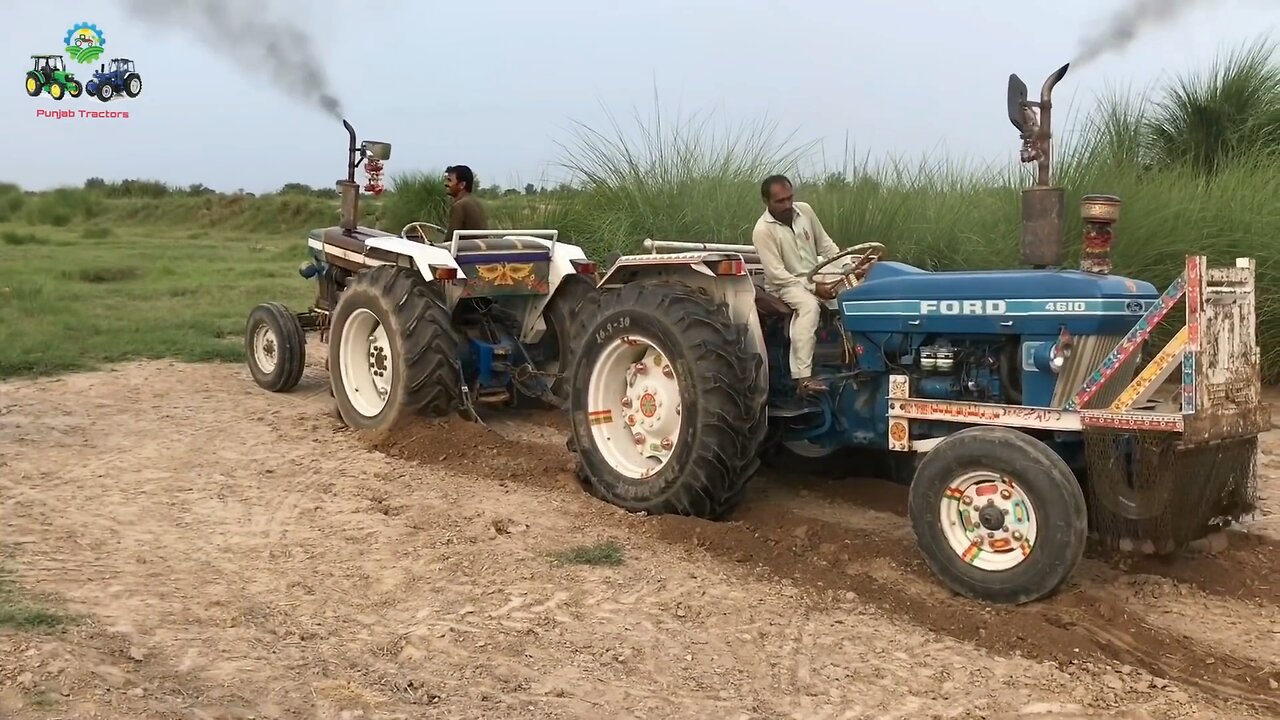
point(896, 297)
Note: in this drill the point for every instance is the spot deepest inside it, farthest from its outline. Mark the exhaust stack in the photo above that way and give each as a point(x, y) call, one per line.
point(349, 189)
point(376, 152)
point(1043, 204)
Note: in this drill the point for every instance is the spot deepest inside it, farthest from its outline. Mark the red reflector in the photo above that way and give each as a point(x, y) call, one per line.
point(444, 273)
point(586, 267)
point(728, 267)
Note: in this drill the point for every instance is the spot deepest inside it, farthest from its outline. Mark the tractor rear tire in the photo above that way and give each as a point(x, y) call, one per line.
point(563, 324)
point(56, 90)
point(718, 405)
point(34, 84)
point(275, 347)
point(133, 85)
point(1030, 518)
point(420, 353)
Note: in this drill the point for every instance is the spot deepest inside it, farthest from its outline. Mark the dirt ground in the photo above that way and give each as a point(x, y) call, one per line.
point(237, 554)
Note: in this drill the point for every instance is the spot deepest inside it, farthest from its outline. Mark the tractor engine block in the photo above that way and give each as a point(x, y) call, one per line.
point(965, 368)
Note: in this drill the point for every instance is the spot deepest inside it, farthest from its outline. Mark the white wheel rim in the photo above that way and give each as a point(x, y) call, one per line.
point(265, 348)
point(135, 85)
point(988, 521)
point(633, 405)
point(365, 363)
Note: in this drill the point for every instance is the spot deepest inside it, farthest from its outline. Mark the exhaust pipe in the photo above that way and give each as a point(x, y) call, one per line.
point(1043, 204)
point(349, 189)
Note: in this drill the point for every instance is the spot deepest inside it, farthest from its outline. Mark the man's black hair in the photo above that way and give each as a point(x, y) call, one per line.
point(464, 176)
point(769, 182)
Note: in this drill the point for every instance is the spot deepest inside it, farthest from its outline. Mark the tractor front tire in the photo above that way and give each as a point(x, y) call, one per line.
point(695, 402)
point(275, 347)
point(105, 92)
point(393, 351)
point(133, 85)
point(75, 88)
point(34, 84)
point(998, 515)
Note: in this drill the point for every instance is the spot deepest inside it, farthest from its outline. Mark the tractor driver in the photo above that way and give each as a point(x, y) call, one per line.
point(791, 241)
point(465, 213)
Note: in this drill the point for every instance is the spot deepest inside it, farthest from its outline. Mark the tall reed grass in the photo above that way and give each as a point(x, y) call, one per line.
point(1196, 164)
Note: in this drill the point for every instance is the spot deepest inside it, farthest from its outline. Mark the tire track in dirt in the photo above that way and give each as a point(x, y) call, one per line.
point(1076, 625)
point(828, 558)
point(1245, 570)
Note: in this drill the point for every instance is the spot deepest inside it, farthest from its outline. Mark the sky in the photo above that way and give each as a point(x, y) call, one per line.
point(500, 85)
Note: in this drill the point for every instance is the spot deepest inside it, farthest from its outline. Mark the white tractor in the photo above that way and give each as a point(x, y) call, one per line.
point(426, 328)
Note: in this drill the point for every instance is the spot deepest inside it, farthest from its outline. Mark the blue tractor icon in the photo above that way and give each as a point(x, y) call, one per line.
point(122, 77)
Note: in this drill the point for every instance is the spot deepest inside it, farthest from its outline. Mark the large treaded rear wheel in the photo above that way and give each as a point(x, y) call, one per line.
point(393, 350)
point(680, 433)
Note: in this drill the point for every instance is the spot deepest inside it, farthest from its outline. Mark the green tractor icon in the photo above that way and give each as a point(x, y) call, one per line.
point(49, 74)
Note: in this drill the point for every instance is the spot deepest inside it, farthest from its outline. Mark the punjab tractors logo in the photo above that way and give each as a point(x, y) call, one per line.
point(83, 44)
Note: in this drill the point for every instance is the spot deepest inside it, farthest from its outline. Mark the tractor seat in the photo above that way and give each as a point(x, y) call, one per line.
point(770, 306)
point(499, 246)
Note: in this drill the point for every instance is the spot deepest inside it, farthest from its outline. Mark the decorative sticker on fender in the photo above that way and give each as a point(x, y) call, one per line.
point(1004, 308)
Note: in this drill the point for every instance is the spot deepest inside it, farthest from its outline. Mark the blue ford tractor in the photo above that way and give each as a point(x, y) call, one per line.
point(1023, 404)
point(123, 77)
point(426, 328)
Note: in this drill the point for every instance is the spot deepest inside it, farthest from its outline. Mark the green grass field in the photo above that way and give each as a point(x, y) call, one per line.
point(73, 298)
point(120, 270)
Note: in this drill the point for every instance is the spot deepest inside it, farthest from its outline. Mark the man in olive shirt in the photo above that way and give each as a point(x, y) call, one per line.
point(791, 241)
point(466, 213)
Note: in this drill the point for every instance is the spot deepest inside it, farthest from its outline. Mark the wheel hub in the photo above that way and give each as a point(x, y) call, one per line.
point(365, 362)
point(379, 366)
point(988, 520)
point(633, 379)
point(991, 517)
point(264, 348)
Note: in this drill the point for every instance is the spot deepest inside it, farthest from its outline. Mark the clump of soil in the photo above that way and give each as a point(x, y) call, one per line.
point(457, 444)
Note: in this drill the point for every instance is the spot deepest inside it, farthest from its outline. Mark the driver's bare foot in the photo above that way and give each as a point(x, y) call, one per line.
point(810, 386)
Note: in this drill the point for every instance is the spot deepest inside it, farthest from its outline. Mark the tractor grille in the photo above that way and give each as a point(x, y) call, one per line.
point(1087, 356)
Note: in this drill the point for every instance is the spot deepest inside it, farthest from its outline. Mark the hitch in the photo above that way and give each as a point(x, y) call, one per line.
point(1043, 204)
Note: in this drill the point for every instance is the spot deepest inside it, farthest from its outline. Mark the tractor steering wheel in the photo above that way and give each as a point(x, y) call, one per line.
point(405, 229)
point(868, 252)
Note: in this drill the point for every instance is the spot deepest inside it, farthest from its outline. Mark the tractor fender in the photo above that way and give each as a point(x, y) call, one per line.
point(736, 291)
point(422, 254)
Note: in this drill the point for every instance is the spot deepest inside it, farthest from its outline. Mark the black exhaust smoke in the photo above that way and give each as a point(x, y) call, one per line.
point(1127, 23)
point(274, 51)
